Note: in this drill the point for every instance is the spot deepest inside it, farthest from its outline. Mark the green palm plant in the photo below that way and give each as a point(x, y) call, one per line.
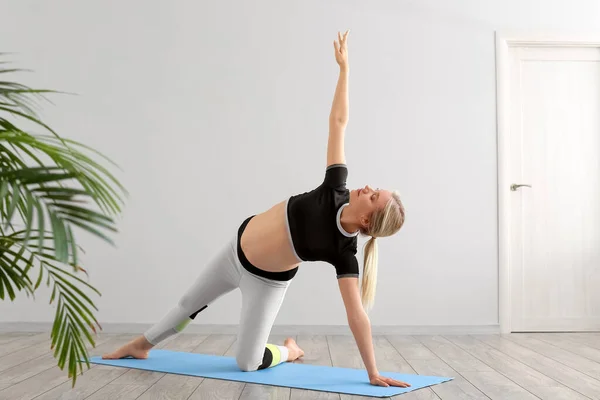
point(50, 187)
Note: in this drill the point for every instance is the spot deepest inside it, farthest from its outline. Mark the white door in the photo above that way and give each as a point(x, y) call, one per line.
point(555, 224)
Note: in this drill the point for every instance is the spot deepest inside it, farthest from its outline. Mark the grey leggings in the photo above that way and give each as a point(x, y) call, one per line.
point(261, 300)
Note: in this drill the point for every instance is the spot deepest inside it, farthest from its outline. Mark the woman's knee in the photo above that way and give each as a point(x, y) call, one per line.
point(246, 364)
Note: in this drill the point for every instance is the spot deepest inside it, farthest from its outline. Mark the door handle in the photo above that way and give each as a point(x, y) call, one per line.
point(515, 186)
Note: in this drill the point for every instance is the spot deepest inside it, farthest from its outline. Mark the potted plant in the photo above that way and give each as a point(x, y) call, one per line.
point(51, 187)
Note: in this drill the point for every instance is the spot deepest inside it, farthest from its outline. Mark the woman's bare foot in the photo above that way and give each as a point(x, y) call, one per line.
point(294, 351)
point(137, 348)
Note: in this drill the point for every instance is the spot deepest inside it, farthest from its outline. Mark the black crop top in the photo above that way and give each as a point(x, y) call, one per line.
point(315, 230)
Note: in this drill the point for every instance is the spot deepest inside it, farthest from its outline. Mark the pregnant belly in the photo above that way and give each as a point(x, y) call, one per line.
point(266, 243)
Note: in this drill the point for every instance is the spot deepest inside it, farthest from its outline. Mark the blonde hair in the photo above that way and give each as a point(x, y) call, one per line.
point(383, 222)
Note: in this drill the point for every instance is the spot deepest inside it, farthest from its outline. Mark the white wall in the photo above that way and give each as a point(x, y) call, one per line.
point(216, 110)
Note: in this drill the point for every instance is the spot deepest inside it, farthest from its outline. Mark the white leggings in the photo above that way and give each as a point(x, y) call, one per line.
point(261, 300)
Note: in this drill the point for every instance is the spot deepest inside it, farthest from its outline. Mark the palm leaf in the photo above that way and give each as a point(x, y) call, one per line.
point(12, 205)
point(30, 211)
point(3, 192)
point(6, 286)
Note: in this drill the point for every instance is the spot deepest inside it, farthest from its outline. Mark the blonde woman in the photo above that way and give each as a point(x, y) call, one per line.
point(263, 257)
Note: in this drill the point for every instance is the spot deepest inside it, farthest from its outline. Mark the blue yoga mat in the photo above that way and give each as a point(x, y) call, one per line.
point(301, 376)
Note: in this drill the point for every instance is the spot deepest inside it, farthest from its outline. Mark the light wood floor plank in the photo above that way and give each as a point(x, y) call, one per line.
point(24, 342)
point(35, 377)
point(569, 377)
point(566, 343)
point(12, 336)
point(87, 384)
point(214, 389)
point(485, 378)
point(559, 351)
point(591, 339)
point(15, 358)
point(525, 376)
point(119, 391)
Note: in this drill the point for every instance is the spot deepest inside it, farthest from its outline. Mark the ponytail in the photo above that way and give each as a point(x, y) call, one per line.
point(384, 222)
point(369, 280)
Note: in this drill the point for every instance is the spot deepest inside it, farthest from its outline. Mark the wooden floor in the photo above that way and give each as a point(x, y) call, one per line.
point(517, 366)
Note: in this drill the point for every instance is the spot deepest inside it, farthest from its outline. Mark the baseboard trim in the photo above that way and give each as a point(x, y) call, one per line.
point(278, 329)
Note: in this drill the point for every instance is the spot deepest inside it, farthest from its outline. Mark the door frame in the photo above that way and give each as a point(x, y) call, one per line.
point(504, 42)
